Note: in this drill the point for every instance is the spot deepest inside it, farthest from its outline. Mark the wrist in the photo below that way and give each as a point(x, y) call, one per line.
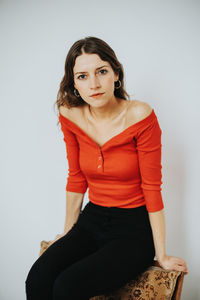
point(161, 257)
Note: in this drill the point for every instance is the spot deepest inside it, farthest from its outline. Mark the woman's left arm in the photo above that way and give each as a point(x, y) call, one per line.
point(148, 146)
point(157, 221)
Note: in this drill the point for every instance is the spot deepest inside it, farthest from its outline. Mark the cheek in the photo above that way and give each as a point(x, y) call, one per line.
point(109, 82)
point(81, 86)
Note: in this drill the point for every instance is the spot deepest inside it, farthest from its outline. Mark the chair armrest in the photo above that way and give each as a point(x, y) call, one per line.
point(179, 283)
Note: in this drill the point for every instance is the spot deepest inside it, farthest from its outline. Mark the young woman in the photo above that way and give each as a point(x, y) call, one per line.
point(113, 147)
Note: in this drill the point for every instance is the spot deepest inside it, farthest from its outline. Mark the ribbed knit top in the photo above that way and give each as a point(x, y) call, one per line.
point(124, 172)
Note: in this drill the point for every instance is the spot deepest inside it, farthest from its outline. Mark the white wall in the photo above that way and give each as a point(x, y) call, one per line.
point(158, 44)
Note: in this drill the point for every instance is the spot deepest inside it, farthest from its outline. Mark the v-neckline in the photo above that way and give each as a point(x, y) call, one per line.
point(115, 136)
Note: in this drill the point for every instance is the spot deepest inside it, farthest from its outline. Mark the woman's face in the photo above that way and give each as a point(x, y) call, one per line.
point(93, 75)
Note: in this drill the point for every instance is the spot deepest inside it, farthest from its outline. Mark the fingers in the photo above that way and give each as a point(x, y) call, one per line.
point(181, 267)
point(175, 263)
point(51, 242)
point(180, 263)
point(58, 236)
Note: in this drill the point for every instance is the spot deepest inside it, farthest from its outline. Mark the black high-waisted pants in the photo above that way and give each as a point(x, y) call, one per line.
point(105, 248)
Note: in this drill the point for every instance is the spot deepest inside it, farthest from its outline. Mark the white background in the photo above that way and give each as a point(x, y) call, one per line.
point(158, 44)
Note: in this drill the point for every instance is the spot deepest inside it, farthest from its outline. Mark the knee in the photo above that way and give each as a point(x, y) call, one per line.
point(62, 288)
point(67, 286)
point(31, 281)
point(35, 279)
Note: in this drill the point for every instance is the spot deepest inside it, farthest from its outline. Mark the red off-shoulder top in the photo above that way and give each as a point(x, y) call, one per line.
point(124, 172)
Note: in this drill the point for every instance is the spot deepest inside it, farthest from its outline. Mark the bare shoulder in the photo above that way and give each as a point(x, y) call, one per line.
point(139, 110)
point(71, 113)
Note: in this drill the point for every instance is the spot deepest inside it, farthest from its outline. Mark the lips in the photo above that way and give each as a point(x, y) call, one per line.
point(98, 94)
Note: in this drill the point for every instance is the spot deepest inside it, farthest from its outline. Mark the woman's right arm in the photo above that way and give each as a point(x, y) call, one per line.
point(74, 203)
point(76, 185)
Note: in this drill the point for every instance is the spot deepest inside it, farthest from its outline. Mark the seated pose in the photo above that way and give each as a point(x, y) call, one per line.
point(113, 148)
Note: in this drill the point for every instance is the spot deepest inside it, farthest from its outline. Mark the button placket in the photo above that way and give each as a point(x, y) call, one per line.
point(100, 162)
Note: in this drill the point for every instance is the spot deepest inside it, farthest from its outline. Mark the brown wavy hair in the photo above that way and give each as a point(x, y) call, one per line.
point(90, 44)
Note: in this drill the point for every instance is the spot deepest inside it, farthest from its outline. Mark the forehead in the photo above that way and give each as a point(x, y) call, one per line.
point(86, 62)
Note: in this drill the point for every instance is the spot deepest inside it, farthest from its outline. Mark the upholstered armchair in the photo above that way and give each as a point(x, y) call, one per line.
point(155, 283)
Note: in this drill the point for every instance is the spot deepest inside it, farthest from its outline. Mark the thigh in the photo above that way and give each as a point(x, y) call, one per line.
point(72, 247)
point(105, 270)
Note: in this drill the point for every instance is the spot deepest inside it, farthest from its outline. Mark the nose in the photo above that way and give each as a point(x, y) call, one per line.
point(94, 82)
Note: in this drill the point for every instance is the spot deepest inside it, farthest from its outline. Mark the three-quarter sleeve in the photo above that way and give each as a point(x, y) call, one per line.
point(148, 145)
point(76, 180)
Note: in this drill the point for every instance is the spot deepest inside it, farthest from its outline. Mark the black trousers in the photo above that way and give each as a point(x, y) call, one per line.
point(105, 248)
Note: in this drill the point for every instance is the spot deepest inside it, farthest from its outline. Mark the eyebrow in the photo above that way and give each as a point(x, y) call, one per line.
point(96, 69)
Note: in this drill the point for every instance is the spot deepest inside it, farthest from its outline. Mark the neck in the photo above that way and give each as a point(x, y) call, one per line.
point(108, 111)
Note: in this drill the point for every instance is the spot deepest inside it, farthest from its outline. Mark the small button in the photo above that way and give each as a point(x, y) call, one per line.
point(100, 157)
point(99, 166)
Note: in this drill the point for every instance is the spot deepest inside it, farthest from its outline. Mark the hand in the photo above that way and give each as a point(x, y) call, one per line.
point(58, 236)
point(173, 263)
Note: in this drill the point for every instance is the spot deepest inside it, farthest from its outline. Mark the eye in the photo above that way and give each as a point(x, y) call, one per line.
point(104, 70)
point(80, 76)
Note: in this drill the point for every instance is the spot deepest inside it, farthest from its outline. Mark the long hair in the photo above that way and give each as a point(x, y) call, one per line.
point(90, 44)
